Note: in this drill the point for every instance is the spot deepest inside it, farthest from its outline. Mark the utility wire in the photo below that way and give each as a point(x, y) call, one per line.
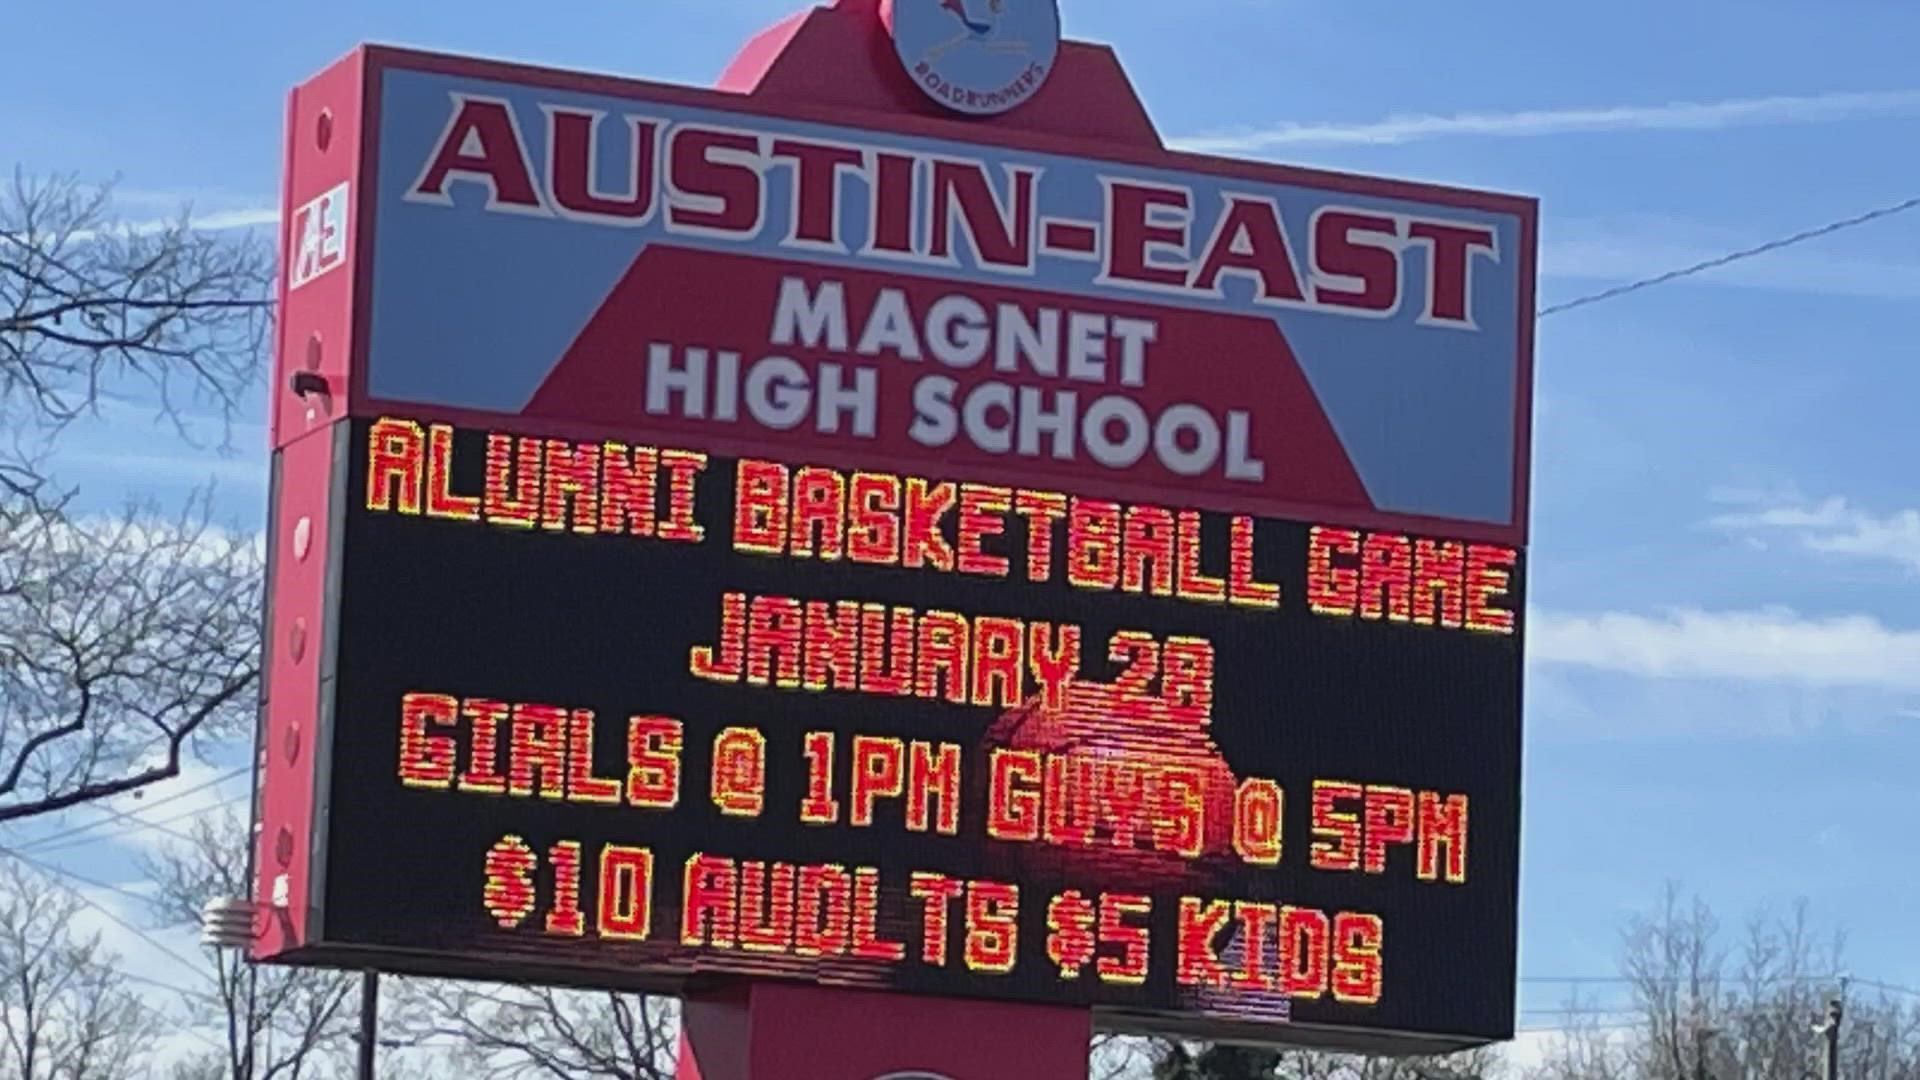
point(139, 825)
point(1732, 257)
point(49, 868)
point(1618, 979)
point(161, 984)
point(43, 842)
point(1891, 988)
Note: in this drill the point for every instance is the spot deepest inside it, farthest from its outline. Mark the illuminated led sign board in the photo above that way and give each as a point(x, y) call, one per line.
point(724, 534)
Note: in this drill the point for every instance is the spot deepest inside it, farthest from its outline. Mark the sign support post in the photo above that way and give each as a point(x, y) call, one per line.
point(769, 1031)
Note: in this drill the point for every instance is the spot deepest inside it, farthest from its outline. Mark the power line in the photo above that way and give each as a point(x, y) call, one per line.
point(194, 1029)
point(160, 984)
point(1891, 988)
point(143, 935)
point(1620, 1025)
point(43, 842)
point(130, 928)
point(140, 825)
point(1732, 257)
point(1621, 979)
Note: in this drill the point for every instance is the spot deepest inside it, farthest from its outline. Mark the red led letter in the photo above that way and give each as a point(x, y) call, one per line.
point(1337, 846)
point(1198, 964)
point(1487, 578)
point(878, 765)
point(537, 754)
point(1304, 949)
point(426, 761)
point(740, 772)
point(441, 501)
point(626, 893)
point(993, 926)
point(819, 807)
point(1389, 821)
point(766, 907)
point(1332, 590)
point(564, 917)
point(653, 762)
point(1357, 941)
point(513, 481)
point(1443, 824)
point(927, 505)
point(867, 942)
point(707, 915)
point(983, 513)
point(1013, 806)
point(873, 534)
point(934, 775)
point(396, 453)
point(939, 892)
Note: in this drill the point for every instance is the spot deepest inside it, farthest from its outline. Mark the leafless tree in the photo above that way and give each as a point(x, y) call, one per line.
point(1178, 1060)
point(1121, 1057)
point(88, 300)
point(274, 1022)
point(508, 1033)
point(1702, 1009)
point(1309, 1065)
point(65, 1012)
point(123, 639)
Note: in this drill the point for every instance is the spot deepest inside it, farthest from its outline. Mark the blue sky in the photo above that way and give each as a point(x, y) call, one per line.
point(1726, 634)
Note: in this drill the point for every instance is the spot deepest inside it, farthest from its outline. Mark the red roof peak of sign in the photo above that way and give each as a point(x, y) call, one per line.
point(841, 57)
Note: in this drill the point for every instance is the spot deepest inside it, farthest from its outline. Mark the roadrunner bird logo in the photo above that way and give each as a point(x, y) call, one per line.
point(980, 31)
point(977, 56)
point(959, 9)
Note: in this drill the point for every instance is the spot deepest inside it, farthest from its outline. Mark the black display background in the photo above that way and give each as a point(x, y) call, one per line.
point(606, 622)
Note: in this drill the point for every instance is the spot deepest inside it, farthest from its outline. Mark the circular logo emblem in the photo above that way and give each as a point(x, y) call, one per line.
point(980, 57)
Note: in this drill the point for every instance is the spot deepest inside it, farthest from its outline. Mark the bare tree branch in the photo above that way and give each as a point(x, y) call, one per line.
point(65, 1011)
point(513, 1034)
point(274, 1021)
point(123, 642)
point(87, 300)
point(1703, 1011)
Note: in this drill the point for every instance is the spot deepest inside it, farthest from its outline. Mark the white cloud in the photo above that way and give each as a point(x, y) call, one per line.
point(1768, 644)
point(1532, 123)
point(1835, 527)
point(160, 956)
point(249, 471)
point(216, 221)
point(150, 820)
point(237, 219)
point(1530, 1049)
